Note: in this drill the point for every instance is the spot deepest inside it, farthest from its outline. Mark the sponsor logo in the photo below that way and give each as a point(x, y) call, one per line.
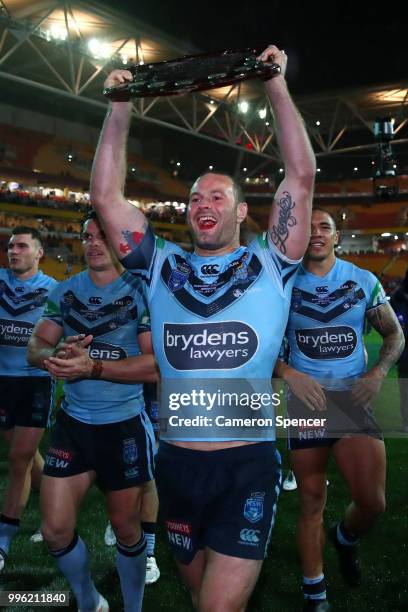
point(19, 289)
point(179, 534)
point(15, 333)
point(210, 270)
point(58, 458)
point(60, 453)
point(323, 289)
point(253, 508)
point(209, 346)
point(250, 537)
point(94, 299)
point(327, 342)
point(109, 352)
point(132, 472)
point(130, 453)
point(125, 301)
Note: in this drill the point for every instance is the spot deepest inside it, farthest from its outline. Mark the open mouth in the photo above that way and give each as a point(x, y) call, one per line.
point(206, 222)
point(316, 243)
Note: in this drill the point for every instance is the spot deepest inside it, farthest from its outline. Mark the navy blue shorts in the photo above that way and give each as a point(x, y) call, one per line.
point(121, 454)
point(343, 418)
point(225, 499)
point(26, 401)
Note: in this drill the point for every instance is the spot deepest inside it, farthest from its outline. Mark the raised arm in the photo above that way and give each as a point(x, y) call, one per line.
point(289, 221)
point(124, 224)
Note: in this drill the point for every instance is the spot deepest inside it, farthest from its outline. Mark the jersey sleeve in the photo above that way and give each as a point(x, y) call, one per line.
point(374, 291)
point(52, 310)
point(280, 268)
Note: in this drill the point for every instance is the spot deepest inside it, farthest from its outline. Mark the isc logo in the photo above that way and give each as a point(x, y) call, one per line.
point(322, 289)
point(210, 269)
point(94, 299)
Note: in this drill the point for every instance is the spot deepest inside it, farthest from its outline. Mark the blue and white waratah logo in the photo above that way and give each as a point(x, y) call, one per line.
point(253, 509)
point(209, 346)
point(130, 451)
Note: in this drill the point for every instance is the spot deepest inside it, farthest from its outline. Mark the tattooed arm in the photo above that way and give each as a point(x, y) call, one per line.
point(124, 224)
point(289, 222)
point(384, 321)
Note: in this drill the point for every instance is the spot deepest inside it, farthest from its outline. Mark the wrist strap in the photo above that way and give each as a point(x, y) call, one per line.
point(97, 367)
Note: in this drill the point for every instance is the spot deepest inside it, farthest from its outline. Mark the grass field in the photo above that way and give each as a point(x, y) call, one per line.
point(384, 552)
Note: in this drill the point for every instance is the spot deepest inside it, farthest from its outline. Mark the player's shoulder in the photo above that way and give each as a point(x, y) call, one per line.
point(49, 281)
point(4, 274)
point(73, 282)
point(354, 271)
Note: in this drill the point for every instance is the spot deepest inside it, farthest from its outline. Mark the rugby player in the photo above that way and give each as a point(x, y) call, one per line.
point(25, 390)
point(327, 372)
point(218, 314)
point(102, 431)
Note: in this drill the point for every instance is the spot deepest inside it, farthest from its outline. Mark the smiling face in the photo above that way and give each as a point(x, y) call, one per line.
point(24, 253)
point(214, 215)
point(324, 237)
point(96, 250)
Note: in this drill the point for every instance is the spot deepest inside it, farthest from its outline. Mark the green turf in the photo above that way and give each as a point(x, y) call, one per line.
point(384, 551)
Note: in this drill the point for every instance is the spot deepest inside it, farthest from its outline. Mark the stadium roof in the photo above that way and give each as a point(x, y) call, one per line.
point(56, 55)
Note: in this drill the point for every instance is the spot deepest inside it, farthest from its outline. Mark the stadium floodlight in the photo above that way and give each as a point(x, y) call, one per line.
point(262, 113)
point(243, 106)
point(99, 49)
point(385, 235)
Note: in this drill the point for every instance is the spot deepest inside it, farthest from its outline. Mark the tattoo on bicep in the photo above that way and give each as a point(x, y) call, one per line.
point(280, 232)
point(132, 239)
point(384, 321)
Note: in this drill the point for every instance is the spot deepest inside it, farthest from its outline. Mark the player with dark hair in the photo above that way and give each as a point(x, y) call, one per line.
point(26, 391)
point(327, 373)
point(218, 317)
point(102, 431)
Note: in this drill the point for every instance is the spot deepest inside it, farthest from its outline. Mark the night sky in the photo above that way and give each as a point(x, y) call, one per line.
point(335, 45)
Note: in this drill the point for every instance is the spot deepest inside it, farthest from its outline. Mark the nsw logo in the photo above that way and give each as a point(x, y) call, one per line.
point(209, 346)
point(327, 342)
point(253, 509)
point(130, 453)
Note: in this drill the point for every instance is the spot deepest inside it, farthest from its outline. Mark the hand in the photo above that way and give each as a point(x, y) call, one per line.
point(306, 389)
point(367, 387)
point(118, 77)
point(273, 55)
point(75, 362)
point(64, 350)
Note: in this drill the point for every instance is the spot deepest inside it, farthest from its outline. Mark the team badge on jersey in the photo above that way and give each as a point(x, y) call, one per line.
point(179, 276)
point(253, 509)
point(130, 453)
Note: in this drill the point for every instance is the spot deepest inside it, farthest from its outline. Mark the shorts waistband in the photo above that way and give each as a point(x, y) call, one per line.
point(236, 452)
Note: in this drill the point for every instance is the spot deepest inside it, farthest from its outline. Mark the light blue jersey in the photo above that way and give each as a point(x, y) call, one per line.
point(216, 317)
point(21, 306)
point(114, 314)
point(326, 323)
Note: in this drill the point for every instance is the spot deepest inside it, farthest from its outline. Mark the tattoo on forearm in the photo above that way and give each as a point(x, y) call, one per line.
point(386, 323)
point(280, 232)
point(132, 239)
